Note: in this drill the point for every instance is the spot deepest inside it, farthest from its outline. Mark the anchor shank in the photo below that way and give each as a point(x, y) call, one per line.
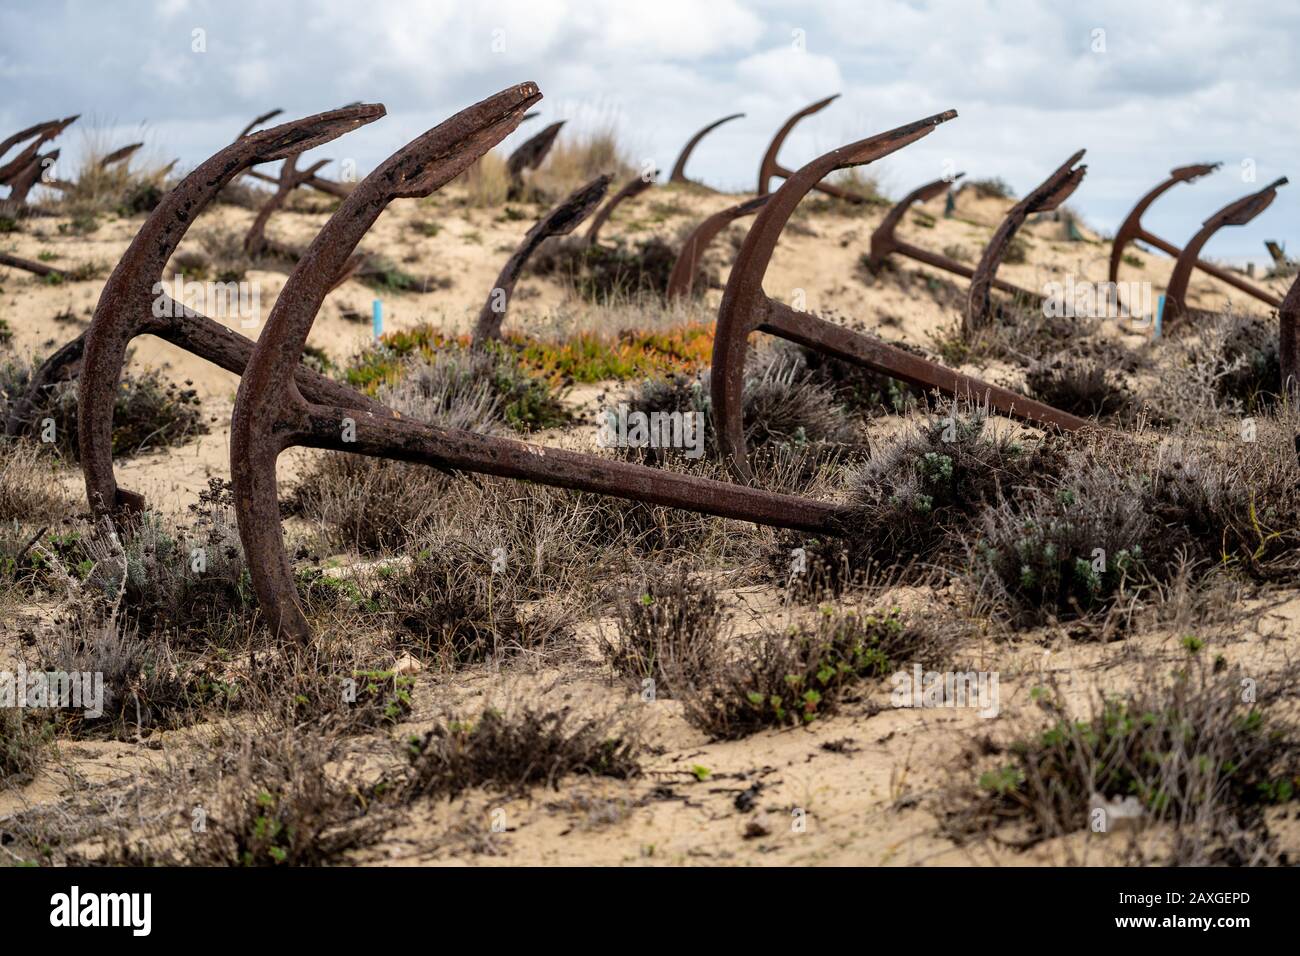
point(413, 441)
point(815, 332)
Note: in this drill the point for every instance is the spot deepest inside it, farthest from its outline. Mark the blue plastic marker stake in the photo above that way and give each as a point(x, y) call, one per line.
point(377, 317)
point(1160, 314)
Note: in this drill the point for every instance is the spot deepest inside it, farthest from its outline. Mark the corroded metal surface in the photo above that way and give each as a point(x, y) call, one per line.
point(40, 134)
point(560, 221)
point(291, 177)
point(746, 308)
point(37, 268)
point(678, 174)
point(1131, 230)
point(319, 183)
point(1289, 345)
point(1048, 195)
point(272, 414)
point(681, 281)
point(885, 242)
point(771, 167)
point(633, 187)
point(1234, 214)
point(118, 155)
point(529, 155)
point(131, 305)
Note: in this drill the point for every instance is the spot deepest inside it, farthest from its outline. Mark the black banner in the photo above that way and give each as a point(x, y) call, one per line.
point(340, 905)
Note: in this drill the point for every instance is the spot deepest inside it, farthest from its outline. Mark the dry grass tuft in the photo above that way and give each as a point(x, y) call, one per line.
point(578, 158)
point(792, 677)
point(129, 187)
point(1190, 750)
point(523, 745)
point(487, 182)
point(667, 629)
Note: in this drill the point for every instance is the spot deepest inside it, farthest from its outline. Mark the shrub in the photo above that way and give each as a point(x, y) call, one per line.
point(511, 750)
point(179, 579)
point(126, 187)
point(278, 798)
point(455, 389)
point(148, 411)
point(454, 603)
point(384, 275)
point(1067, 549)
point(146, 685)
point(578, 157)
point(790, 678)
point(1017, 252)
point(859, 389)
point(1190, 748)
point(1095, 531)
point(1236, 504)
point(608, 272)
point(783, 406)
point(25, 738)
point(1251, 363)
point(1231, 366)
point(331, 688)
point(667, 630)
point(367, 505)
point(456, 378)
point(373, 504)
point(932, 480)
point(29, 486)
point(1081, 387)
point(994, 188)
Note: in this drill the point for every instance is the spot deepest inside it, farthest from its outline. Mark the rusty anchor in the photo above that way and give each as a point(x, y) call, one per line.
point(560, 221)
point(681, 281)
point(1234, 214)
point(1131, 229)
point(1048, 195)
point(22, 182)
point(37, 268)
point(290, 178)
point(746, 308)
point(770, 167)
point(633, 187)
point(131, 303)
point(39, 134)
point(678, 174)
point(884, 241)
point(1289, 346)
point(529, 155)
point(318, 183)
point(272, 414)
point(19, 163)
point(118, 155)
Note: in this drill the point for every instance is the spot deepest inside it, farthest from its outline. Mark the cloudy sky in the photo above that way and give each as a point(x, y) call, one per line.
point(1143, 86)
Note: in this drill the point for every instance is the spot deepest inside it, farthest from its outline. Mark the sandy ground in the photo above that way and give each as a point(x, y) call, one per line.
point(862, 800)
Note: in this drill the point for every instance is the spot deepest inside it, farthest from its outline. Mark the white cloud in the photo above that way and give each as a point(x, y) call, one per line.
point(789, 75)
point(1201, 79)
